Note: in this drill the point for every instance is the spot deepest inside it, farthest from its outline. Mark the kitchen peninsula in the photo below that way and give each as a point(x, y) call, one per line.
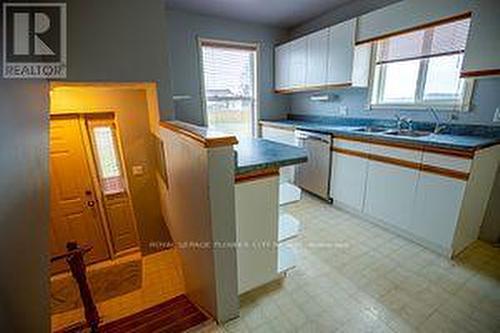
point(220, 191)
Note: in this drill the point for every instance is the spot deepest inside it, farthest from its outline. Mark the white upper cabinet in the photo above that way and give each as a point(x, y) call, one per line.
point(341, 52)
point(298, 63)
point(361, 65)
point(282, 66)
point(317, 58)
point(324, 58)
point(483, 46)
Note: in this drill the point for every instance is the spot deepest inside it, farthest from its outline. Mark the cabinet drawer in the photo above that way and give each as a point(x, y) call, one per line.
point(409, 155)
point(447, 162)
point(351, 145)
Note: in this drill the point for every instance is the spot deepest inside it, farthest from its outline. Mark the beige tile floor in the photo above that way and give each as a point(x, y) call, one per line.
point(162, 280)
point(352, 276)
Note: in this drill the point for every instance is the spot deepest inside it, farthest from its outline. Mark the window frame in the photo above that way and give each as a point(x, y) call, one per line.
point(376, 84)
point(93, 122)
point(255, 117)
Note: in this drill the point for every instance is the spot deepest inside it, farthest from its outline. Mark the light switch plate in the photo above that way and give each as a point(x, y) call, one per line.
point(343, 110)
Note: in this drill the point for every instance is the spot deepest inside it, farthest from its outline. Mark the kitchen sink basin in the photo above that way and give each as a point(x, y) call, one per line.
point(370, 129)
point(408, 133)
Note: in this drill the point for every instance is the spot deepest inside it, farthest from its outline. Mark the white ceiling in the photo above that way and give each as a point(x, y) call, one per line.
point(279, 13)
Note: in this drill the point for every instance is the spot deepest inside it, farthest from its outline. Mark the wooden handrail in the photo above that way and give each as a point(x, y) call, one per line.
point(205, 136)
point(76, 263)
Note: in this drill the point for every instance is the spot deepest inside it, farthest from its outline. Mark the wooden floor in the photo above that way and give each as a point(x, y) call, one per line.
point(175, 315)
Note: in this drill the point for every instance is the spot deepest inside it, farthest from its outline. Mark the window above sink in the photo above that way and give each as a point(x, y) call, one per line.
point(421, 69)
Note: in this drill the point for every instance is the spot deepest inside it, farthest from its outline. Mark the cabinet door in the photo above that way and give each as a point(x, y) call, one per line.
point(317, 58)
point(437, 208)
point(361, 65)
point(483, 44)
point(281, 66)
point(257, 216)
point(348, 180)
point(298, 63)
point(390, 193)
point(341, 52)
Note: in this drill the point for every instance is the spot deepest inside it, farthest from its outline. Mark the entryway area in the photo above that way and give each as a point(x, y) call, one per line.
point(104, 178)
point(90, 200)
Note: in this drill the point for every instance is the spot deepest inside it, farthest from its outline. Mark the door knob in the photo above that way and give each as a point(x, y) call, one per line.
point(91, 203)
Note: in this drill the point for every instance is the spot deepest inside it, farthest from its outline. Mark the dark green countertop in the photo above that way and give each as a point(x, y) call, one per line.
point(257, 154)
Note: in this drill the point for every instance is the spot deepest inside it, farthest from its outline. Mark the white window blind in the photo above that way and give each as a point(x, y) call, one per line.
point(229, 84)
point(421, 68)
point(445, 39)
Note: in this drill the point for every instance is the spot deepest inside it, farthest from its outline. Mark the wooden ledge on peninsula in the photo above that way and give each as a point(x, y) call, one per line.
point(205, 136)
point(257, 174)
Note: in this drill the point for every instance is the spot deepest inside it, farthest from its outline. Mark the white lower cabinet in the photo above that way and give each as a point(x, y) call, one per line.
point(257, 219)
point(390, 192)
point(348, 180)
point(437, 208)
point(436, 199)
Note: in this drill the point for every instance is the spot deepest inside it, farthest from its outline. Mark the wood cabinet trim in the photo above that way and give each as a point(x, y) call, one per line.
point(351, 152)
point(406, 164)
point(482, 72)
point(257, 174)
point(445, 172)
point(465, 154)
point(312, 88)
point(206, 137)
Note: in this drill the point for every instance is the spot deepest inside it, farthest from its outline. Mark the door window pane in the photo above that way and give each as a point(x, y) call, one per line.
point(108, 161)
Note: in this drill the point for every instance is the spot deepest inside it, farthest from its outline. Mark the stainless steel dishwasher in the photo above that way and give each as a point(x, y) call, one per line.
point(314, 175)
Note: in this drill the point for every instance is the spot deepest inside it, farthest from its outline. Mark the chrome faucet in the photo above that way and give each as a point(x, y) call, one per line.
point(400, 120)
point(438, 126)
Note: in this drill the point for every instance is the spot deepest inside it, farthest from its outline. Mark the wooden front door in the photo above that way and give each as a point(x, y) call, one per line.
point(74, 213)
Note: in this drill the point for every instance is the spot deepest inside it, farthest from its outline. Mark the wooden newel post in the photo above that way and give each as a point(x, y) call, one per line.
point(79, 271)
point(76, 263)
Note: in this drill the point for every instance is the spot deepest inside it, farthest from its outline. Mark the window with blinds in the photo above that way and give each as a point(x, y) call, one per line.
point(422, 68)
point(229, 86)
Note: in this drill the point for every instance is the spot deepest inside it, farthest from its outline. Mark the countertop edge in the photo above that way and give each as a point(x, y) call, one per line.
point(261, 166)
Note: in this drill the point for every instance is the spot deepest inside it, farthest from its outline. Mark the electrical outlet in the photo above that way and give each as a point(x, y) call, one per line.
point(343, 110)
point(496, 116)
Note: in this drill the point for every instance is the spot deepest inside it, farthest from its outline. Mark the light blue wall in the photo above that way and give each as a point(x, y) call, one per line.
point(185, 77)
point(24, 214)
point(119, 41)
point(485, 100)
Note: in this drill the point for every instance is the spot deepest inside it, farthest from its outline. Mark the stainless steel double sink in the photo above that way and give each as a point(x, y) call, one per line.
point(392, 132)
